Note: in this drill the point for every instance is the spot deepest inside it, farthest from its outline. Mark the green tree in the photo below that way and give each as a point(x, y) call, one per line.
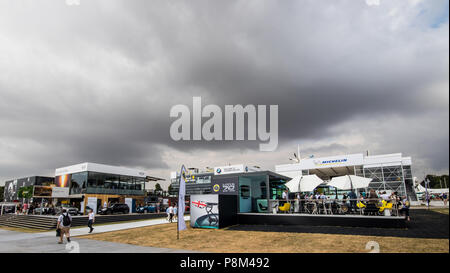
point(158, 189)
point(437, 181)
point(25, 192)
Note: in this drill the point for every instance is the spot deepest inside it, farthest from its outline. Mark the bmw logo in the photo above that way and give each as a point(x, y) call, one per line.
point(219, 170)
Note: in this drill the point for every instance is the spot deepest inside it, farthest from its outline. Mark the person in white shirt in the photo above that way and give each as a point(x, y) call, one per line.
point(170, 210)
point(91, 220)
point(64, 223)
point(284, 195)
point(386, 197)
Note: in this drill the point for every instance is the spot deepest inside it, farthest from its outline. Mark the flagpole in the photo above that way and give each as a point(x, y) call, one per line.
point(178, 198)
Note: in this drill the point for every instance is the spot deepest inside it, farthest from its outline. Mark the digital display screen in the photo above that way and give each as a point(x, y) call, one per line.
point(62, 180)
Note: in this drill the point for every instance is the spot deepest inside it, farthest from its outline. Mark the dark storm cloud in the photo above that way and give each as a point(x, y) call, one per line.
point(96, 82)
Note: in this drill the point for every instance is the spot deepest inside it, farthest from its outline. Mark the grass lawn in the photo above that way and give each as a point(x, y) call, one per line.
point(26, 230)
point(227, 241)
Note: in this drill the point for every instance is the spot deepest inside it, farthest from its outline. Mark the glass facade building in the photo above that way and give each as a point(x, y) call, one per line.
point(104, 183)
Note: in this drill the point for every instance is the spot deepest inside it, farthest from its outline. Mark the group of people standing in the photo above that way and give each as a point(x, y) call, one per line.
point(30, 208)
point(172, 213)
point(351, 200)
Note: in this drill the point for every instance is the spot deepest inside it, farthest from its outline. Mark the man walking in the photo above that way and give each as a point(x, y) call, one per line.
point(352, 196)
point(25, 208)
point(175, 212)
point(170, 210)
point(64, 222)
point(91, 220)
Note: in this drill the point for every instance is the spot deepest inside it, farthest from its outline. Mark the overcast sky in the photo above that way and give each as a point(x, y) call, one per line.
point(95, 82)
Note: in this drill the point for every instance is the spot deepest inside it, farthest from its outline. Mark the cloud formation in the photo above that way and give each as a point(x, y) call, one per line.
point(96, 81)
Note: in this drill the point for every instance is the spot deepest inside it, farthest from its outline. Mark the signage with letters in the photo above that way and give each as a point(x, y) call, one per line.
point(225, 185)
point(60, 192)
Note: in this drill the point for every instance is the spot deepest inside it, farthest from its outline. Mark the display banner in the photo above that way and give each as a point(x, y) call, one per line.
point(92, 203)
point(63, 180)
point(129, 202)
point(181, 202)
point(205, 210)
point(60, 192)
point(225, 185)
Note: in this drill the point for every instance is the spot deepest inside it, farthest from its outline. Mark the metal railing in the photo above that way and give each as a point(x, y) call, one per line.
point(92, 190)
point(372, 207)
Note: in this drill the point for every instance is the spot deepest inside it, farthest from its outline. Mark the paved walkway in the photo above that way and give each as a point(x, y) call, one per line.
point(46, 242)
point(79, 231)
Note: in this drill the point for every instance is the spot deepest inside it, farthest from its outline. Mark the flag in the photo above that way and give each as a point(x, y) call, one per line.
point(181, 202)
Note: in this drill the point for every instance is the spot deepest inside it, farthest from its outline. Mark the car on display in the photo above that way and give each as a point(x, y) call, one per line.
point(115, 208)
point(149, 208)
point(9, 209)
point(45, 211)
point(72, 211)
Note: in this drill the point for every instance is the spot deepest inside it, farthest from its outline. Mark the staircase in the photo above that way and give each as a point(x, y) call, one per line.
point(410, 192)
point(49, 222)
point(28, 221)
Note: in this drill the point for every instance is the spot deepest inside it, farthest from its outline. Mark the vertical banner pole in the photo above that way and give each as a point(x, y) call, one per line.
point(181, 225)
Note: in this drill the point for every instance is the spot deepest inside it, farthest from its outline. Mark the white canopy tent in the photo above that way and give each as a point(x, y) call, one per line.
point(349, 182)
point(305, 183)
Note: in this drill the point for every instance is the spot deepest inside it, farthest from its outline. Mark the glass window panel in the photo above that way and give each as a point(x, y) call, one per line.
point(78, 182)
point(111, 181)
point(125, 182)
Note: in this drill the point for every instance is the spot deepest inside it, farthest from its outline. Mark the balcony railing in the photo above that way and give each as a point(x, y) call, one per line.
point(91, 190)
point(374, 207)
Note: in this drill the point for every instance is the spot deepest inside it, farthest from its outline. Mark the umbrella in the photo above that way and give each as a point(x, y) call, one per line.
point(349, 182)
point(305, 183)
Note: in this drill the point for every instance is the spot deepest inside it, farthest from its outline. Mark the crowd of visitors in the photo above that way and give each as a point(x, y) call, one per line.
point(367, 203)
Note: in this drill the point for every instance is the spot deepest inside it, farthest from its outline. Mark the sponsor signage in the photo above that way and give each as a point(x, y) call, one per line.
point(225, 186)
point(229, 169)
point(330, 162)
point(327, 162)
point(60, 192)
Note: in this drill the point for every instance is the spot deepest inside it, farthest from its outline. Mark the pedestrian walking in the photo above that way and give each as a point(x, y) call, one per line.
point(175, 212)
point(170, 209)
point(25, 208)
point(64, 223)
point(91, 220)
point(168, 214)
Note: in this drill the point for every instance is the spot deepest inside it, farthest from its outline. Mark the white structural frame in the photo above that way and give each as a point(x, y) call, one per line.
point(351, 161)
